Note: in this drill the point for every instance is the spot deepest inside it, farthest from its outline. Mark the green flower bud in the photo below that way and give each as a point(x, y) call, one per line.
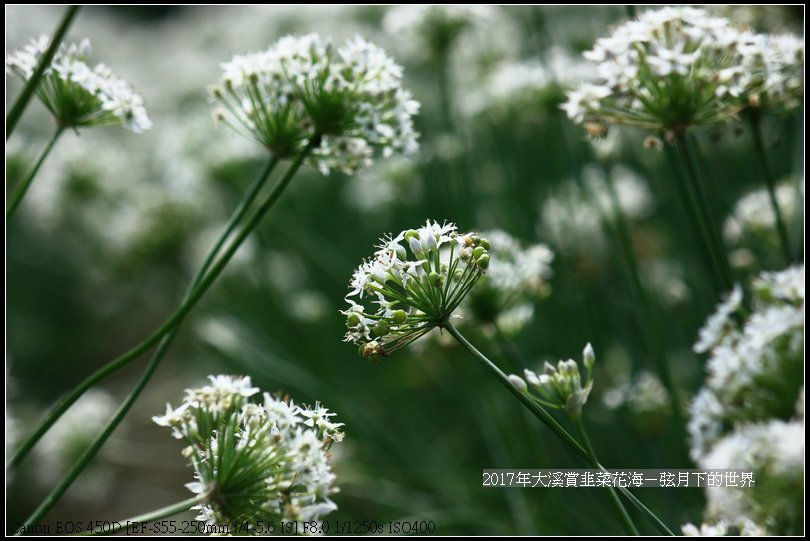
point(399, 316)
point(381, 328)
point(352, 320)
point(434, 279)
point(485, 243)
point(478, 251)
point(483, 262)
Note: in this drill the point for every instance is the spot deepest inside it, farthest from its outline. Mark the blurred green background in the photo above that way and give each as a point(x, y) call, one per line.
point(116, 223)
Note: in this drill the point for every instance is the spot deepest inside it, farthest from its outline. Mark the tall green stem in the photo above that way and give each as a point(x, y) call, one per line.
point(695, 201)
point(31, 85)
point(550, 422)
point(163, 347)
point(173, 320)
point(158, 514)
point(645, 306)
point(614, 498)
point(770, 181)
point(21, 190)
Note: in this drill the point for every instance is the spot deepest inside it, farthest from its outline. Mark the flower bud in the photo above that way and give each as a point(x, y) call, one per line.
point(518, 383)
point(588, 356)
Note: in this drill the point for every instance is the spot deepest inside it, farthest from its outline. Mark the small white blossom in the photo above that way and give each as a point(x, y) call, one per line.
point(76, 94)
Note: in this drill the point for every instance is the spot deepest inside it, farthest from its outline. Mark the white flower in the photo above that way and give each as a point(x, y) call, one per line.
point(416, 279)
point(741, 418)
point(677, 67)
point(76, 94)
point(255, 462)
point(517, 276)
point(347, 103)
point(719, 324)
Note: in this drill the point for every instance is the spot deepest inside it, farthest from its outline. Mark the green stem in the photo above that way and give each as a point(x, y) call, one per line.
point(770, 181)
point(614, 498)
point(158, 514)
point(538, 411)
point(695, 202)
point(173, 320)
point(21, 190)
point(645, 306)
point(549, 421)
point(31, 85)
point(161, 351)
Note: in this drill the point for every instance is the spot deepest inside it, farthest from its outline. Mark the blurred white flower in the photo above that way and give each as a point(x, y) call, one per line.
point(77, 95)
point(741, 418)
point(518, 275)
point(65, 442)
point(752, 224)
point(348, 103)
point(643, 394)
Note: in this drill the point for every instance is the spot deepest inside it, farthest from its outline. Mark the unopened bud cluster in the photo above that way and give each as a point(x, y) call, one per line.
point(560, 386)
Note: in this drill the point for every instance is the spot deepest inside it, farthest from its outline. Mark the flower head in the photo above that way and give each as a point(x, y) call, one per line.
point(416, 280)
point(77, 95)
point(346, 102)
point(678, 67)
point(255, 461)
point(755, 362)
point(560, 386)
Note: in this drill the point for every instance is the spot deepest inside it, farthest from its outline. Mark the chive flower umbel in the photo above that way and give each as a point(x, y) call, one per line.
point(347, 102)
point(412, 283)
point(77, 95)
point(255, 462)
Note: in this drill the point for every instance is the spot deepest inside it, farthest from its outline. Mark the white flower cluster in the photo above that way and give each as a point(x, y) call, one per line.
point(752, 224)
point(742, 527)
point(749, 414)
point(255, 461)
point(435, 27)
point(570, 217)
point(346, 103)
point(517, 277)
point(561, 386)
point(677, 67)
point(76, 94)
point(416, 279)
point(643, 394)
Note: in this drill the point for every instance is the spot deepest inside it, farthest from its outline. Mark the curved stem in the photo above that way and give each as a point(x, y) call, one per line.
point(770, 181)
point(538, 411)
point(170, 323)
point(550, 422)
point(31, 85)
point(161, 351)
point(21, 190)
point(157, 514)
point(614, 498)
